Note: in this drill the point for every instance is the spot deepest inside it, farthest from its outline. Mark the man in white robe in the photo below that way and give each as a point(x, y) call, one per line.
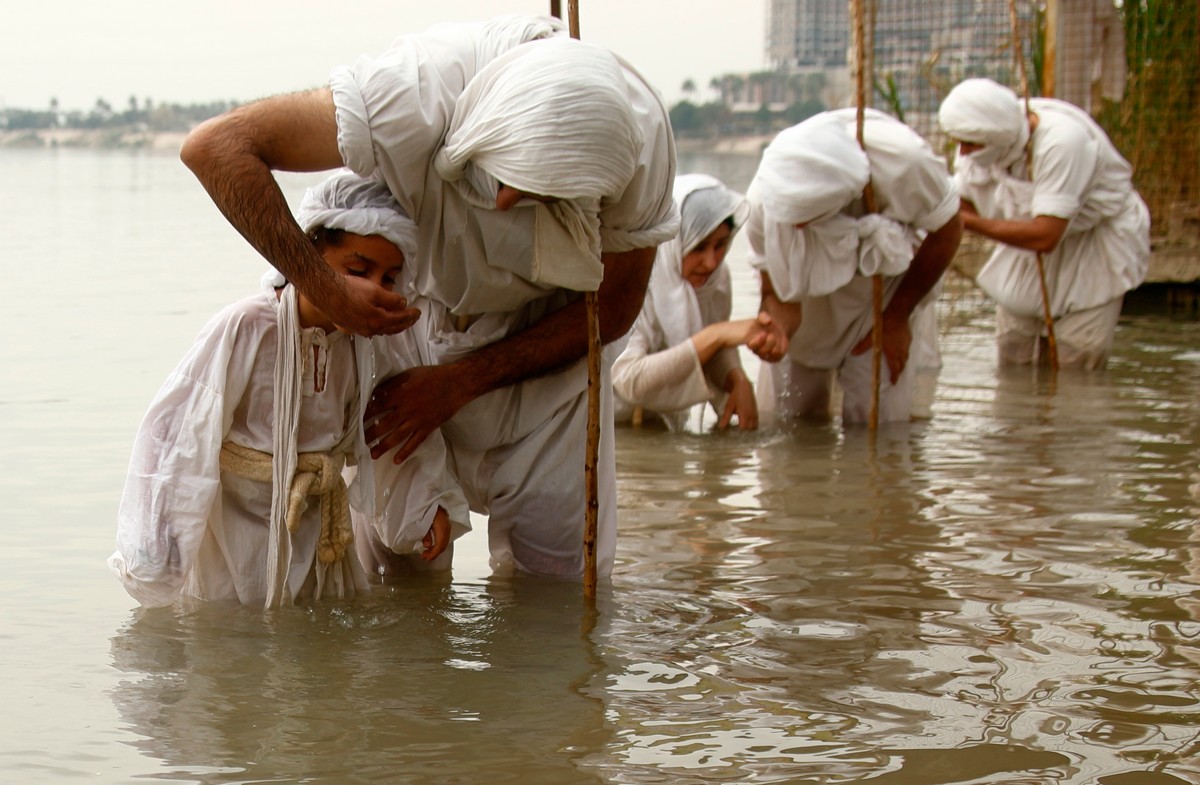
point(1048, 182)
point(816, 248)
point(536, 167)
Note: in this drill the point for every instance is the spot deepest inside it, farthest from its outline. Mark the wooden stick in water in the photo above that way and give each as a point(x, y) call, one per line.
point(592, 454)
point(1018, 55)
point(860, 101)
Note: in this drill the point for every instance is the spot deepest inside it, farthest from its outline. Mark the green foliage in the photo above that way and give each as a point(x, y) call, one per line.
point(889, 92)
point(1155, 125)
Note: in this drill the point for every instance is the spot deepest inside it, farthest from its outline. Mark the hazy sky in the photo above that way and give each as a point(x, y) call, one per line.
point(204, 50)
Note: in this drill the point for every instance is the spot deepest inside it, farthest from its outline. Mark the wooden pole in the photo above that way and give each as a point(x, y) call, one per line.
point(1018, 55)
point(860, 102)
point(592, 454)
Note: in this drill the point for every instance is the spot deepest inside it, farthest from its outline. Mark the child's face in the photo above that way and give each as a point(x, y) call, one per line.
point(371, 257)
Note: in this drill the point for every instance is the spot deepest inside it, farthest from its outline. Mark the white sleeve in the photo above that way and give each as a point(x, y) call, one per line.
point(660, 381)
point(174, 471)
point(408, 495)
point(1063, 168)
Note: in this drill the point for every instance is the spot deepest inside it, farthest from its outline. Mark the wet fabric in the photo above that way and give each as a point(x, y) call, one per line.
point(185, 527)
point(825, 266)
point(400, 119)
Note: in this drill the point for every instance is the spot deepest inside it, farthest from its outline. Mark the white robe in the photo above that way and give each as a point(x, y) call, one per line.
point(185, 527)
point(914, 189)
point(659, 369)
point(393, 113)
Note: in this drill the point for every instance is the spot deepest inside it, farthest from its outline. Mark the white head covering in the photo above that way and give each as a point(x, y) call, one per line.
point(808, 175)
point(680, 309)
point(980, 111)
point(551, 117)
point(365, 207)
point(810, 171)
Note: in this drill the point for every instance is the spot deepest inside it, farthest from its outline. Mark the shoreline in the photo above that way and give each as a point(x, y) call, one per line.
point(1172, 262)
point(93, 139)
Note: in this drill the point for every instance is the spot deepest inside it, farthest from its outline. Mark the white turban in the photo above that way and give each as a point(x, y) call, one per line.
point(808, 175)
point(982, 112)
point(365, 207)
point(810, 171)
point(681, 309)
point(551, 117)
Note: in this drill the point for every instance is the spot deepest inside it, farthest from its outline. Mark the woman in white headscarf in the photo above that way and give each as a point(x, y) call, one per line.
point(816, 249)
point(1079, 211)
point(682, 352)
point(235, 489)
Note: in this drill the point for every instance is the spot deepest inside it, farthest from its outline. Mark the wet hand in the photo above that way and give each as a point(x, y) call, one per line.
point(741, 403)
point(438, 536)
point(897, 340)
point(770, 342)
point(364, 308)
point(406, 409)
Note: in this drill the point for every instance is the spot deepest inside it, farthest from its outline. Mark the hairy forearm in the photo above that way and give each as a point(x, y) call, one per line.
point(233, 157)
point(560, 338)
point(929, 264)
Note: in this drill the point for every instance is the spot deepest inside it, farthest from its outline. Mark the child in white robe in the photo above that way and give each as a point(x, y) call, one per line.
point(682, 353)
point(235, 488)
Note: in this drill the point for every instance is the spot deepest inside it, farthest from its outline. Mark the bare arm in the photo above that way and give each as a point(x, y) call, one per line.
point(779, 320)
point(408, 407)
point(233, 156)
point(1041, 234)
point(930, 262)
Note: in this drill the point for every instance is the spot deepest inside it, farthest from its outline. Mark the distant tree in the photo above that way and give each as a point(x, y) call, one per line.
point(685, 117)
point(688, 88)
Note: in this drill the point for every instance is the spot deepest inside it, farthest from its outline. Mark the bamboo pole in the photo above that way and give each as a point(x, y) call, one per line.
point(1018, 55)
point(860, 102)
point(592, 454)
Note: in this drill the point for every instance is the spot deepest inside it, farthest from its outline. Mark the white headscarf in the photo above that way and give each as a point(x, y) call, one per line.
point(551, 117)
point(808, 175)
point(980, 111)
point(681, 309)
point(366, 207)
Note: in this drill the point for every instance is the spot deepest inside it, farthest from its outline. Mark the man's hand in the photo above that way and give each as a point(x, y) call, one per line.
point(361, 307)
point(771, 341)
point(741, 402)
point(405, 409)
point(897, 340)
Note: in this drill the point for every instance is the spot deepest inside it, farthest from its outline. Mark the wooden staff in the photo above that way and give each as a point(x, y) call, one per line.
point(1018, 55)
point(860, 100)
point(592, 455)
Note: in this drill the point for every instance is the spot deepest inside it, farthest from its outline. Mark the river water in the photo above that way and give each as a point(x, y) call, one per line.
point(1008, 593)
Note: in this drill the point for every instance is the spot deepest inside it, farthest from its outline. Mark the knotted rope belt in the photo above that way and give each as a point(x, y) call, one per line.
point(317, 474)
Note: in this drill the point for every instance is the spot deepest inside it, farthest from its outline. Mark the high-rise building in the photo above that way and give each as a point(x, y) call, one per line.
point(807, 33)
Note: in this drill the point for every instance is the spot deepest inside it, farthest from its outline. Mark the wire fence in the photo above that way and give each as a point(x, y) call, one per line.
point(1133, 66)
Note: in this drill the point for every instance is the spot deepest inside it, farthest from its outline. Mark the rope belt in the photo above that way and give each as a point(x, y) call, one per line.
point(317, 474)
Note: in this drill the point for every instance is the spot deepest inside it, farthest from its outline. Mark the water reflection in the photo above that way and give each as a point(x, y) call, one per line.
point(1008, 593)
point(417, 684)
